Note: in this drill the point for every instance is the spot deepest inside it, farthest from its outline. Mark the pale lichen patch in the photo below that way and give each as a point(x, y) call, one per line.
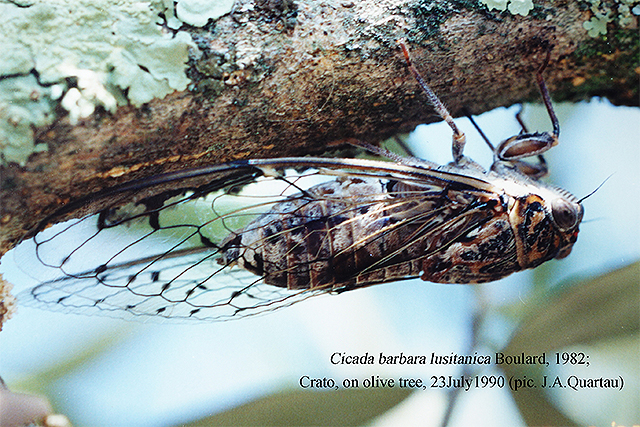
point(623, 13)
point(93, 53)
point(519, 7)
point(7, 301)
point(198, 12)
point(24, 103)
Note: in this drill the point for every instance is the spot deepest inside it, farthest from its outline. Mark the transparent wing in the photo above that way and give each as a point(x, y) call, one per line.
point(163, 256)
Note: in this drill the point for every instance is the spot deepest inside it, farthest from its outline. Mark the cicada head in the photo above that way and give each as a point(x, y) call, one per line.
point(545, 224)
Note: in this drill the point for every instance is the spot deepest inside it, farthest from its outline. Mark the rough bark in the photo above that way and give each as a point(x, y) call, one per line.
point(324, 71)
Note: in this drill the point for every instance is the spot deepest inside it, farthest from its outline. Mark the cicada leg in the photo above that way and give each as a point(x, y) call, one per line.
point(527, 144)
point(458, 136)
point(532, 170)
point(479, 130)
point(382, 152)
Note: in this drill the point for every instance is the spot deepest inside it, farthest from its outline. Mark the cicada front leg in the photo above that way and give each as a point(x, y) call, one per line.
point(537, 170)
point(527, 144)
point(530, 144)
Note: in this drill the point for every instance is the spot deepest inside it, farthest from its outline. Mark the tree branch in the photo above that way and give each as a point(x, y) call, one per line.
point(276, 78)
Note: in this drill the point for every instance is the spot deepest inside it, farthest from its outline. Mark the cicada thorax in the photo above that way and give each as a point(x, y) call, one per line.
point(531, 230)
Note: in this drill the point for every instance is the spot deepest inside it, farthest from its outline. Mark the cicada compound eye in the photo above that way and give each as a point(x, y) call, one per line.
point(565, 214)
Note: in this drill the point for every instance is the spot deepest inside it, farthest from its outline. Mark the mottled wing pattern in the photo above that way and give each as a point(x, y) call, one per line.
point(164, 256)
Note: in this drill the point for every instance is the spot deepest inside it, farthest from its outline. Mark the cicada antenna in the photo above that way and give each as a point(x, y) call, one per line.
point(594, 191)
point(458, 136)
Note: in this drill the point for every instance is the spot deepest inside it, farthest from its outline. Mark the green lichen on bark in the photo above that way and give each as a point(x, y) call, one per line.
point(617, 56)
point(431, 14)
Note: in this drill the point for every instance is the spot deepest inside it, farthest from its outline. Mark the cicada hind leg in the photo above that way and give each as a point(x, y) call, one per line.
point(459, 138)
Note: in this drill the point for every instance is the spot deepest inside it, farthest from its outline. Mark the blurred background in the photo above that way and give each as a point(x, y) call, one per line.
point(110, 372)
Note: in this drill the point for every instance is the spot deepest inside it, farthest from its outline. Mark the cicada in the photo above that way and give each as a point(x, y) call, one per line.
point(245, 237)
